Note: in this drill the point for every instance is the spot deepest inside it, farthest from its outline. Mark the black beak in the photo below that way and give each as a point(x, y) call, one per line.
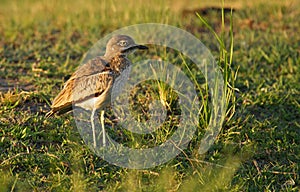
point(134, 47)
point(141, 47)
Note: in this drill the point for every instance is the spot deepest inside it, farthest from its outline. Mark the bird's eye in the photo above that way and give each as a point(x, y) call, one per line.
point(123, 43)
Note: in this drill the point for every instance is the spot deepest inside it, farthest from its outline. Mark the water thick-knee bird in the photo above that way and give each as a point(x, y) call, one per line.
point(90, 85)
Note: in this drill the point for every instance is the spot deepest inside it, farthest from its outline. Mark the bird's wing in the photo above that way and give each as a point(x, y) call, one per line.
point(81, 89)
point(93, 66)
point(91, 79)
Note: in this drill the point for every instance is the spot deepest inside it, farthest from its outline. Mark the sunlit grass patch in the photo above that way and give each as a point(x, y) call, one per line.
point(43, 42)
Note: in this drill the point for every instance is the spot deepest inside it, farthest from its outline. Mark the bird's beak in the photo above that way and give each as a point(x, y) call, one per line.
point(141, 47)
point(134, 47)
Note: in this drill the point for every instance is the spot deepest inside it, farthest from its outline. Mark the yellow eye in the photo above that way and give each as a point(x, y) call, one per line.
point(122, 43)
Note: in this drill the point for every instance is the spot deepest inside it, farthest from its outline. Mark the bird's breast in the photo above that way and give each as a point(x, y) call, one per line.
point(98, 102)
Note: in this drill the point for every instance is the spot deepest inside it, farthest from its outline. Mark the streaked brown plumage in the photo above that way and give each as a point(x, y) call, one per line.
point(90, 85)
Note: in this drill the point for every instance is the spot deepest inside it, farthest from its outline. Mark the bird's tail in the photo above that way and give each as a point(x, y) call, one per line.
point(49, 114)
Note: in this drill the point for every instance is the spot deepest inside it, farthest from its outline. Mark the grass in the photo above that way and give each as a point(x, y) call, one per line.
point(258, 148)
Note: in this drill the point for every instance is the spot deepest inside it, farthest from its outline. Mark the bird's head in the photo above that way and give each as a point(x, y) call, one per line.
point(121, 45)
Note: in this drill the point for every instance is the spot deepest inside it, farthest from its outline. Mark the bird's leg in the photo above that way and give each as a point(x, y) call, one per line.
point(93, 127)
point(103, 128)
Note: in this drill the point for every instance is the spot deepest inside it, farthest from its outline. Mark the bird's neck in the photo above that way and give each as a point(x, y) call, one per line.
point(118, 63)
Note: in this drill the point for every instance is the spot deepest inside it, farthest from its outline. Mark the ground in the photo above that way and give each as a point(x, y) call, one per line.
point(257, 149)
